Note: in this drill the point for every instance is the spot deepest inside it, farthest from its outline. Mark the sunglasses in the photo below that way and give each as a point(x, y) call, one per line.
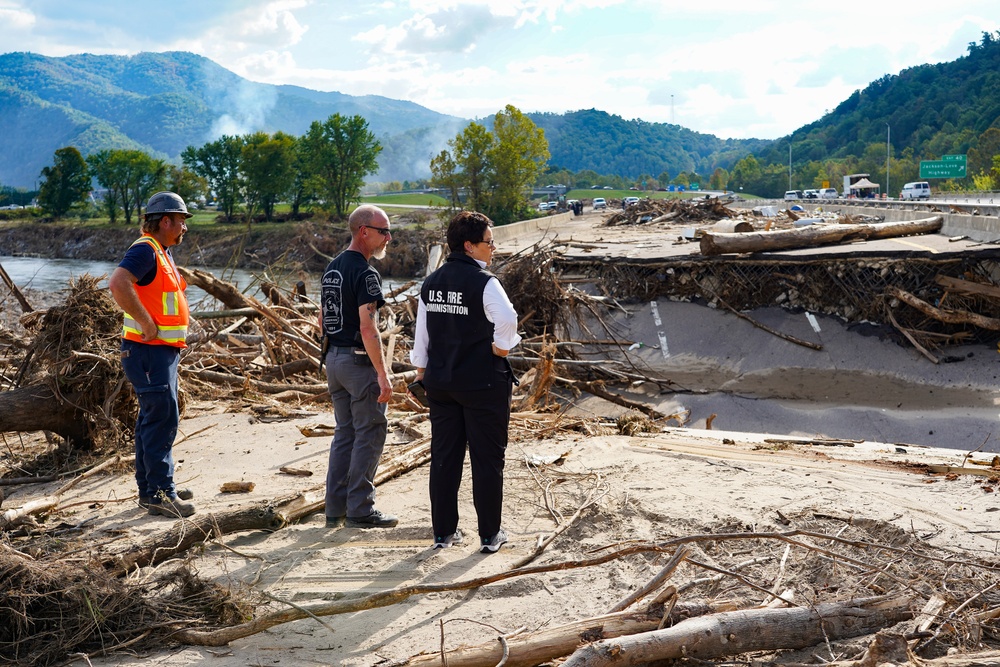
point(384, 231)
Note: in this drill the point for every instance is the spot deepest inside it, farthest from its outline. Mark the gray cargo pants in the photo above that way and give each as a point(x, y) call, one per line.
point(360, 436)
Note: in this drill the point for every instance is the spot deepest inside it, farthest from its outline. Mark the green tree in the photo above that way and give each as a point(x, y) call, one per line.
point(719, 179)
point(471, 151)
point(518, 153)
point(746, 174)
point(65, 184)
point(340, 152)
point(219, 162)
point(190, 186)
point(107, 168)
point(980, 158)
point(267, 170)
point(444, 175)
point(146, 175)
point(664, 177)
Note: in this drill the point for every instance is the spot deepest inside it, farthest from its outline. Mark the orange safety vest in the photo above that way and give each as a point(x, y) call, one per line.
point(164, 299)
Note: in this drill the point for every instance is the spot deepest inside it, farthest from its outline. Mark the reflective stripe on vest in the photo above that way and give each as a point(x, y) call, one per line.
point(163, 299)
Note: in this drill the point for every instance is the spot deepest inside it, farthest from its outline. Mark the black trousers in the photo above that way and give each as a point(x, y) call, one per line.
point(477, 421)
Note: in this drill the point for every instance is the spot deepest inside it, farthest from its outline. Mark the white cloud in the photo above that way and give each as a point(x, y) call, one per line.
point(15, 18)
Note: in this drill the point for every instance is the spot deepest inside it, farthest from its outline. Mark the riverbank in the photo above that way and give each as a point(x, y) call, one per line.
point(305, 246)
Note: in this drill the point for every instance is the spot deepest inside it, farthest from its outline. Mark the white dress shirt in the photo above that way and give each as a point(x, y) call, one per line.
point(499, 310)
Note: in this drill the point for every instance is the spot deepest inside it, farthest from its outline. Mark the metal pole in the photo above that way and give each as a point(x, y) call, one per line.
point(789, 165)
point(887, 130)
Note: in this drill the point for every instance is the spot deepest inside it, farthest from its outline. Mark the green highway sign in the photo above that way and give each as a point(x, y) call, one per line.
point(949, 166)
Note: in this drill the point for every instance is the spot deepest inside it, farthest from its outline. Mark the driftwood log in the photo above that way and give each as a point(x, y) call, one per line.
point(948, 315)
point(541, 646)
point(713, 243)
point(186, 533)
point(737, 632)
point(37, 408)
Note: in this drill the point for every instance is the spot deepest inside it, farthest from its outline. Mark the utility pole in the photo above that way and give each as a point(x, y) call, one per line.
point(789, 164)
point(887, 130)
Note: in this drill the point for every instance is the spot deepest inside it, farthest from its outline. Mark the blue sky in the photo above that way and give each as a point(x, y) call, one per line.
point(729, 68)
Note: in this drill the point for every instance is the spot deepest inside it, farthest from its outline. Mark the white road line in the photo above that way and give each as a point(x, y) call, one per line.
point(656, 313)
point(664, 350)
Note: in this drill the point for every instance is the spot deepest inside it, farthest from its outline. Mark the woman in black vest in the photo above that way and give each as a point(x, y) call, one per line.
point(465, 327)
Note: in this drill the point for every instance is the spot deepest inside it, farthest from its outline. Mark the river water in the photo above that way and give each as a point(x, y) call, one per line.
point(54, 275)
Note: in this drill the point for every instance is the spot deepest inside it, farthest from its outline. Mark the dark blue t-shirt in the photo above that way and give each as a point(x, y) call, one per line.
point(349, 282)
point(140, 261)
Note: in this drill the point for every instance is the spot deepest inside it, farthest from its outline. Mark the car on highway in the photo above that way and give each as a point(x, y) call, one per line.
point(828, 193)
point(810, 194)
point(792, 195)
point(599, 203)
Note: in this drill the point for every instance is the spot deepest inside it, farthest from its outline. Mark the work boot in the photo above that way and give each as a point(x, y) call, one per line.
point(171, 507)
point(183, 494)
point(335, 521)
point(374, 520)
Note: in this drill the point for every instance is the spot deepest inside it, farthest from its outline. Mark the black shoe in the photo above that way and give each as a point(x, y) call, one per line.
point(335, 521)
point(183, 494)
point(374, 520)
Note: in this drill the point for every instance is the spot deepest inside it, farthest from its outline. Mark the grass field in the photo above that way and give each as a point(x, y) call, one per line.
point(406, 200)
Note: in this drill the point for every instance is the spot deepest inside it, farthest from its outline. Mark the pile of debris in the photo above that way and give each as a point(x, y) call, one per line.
point(653, 211)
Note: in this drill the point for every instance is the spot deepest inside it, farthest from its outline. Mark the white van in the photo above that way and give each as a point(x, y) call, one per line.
point(827, 193)
point(792, 195)
point(917, 190)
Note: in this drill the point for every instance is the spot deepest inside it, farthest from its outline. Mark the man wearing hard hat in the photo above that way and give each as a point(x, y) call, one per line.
point(148, 287)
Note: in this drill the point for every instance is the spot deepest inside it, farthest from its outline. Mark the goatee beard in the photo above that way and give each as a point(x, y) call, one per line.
point(380, 253)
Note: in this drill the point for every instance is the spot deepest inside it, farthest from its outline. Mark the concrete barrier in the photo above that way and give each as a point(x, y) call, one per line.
point(515, 229)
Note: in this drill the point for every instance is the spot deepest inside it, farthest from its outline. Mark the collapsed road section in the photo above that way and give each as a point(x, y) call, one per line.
point(846, 339)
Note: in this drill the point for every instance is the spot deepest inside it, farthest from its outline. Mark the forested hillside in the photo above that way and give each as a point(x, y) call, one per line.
point(608, 144)
point(925, 112)
point(164, 102)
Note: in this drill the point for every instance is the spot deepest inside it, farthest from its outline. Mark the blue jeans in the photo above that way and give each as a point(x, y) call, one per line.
point(152, 370)
point(360, 436)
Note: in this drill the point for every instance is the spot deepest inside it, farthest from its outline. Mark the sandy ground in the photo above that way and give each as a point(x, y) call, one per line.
point(902, 412)
point(645, 488)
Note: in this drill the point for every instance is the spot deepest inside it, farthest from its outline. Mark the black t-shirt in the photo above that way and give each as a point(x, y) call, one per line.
point(349, 282)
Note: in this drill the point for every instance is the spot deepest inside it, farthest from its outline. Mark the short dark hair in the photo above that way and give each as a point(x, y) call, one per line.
point(467, 226)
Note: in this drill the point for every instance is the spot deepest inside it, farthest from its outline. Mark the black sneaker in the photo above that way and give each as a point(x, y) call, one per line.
point(448, 540)
point(183, 494)
point(374, 520)
point(335, 521)
point(492, 545)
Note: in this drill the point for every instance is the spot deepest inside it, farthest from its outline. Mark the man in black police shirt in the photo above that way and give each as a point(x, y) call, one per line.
point(356, 372)
point(465, 327)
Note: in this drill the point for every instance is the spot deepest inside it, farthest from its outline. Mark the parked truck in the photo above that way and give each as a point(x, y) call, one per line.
point(851, 179)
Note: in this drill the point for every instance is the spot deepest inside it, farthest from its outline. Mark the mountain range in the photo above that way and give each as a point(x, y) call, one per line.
point(164, 102)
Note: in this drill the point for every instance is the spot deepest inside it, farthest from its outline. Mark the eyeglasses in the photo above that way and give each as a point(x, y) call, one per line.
point(490, 243)
point(384, 231)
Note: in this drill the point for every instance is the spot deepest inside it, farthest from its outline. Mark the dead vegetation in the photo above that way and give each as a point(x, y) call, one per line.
point(74, 594)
